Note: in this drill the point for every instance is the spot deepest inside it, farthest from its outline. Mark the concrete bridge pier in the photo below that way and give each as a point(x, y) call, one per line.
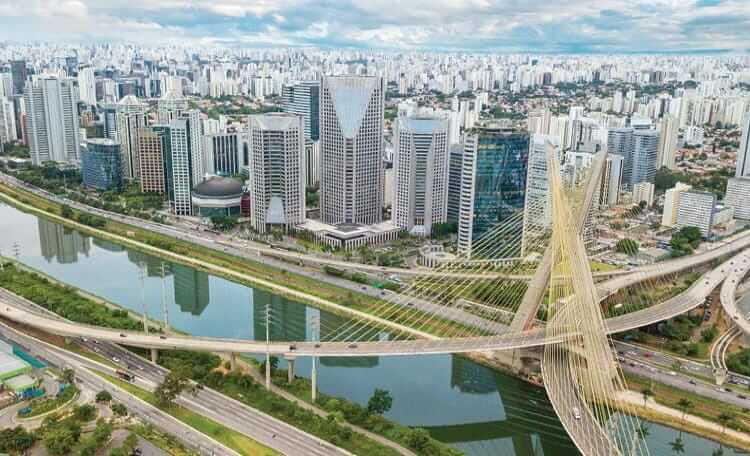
point(233, 361)
point(290, 359)
point(154, 355)
point(314, 379)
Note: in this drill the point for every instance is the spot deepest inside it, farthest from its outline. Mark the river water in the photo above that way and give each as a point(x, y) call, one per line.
point(475, 409)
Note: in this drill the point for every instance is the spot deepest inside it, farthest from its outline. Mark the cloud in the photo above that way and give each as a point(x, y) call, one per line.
point(474, 25)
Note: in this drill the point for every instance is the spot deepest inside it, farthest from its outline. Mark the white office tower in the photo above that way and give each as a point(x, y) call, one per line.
point(696, 209)
point(743, 154)
point(87, 85)
point(643, 192)
point(738, 197)
point(52, 120)
point(277, 166)
point(193, 117)
point(221, 154)
point(694, 136)
point(312, 163)
point(178, 168)
point(668, 133)
point(672, 202)
point(611, 181)
point(420, 180)
point(537, 206)
point(455, 169)
point(8, 131)
point(131, 116)
point(351, 149)
point(170, 107)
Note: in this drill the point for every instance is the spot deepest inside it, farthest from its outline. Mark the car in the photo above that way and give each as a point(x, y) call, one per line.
point(162, 337)
point(741, 396)
point(352, 345)
point(116, 359)
point(692, 382)
point(123, 335)
point(317, 345)
point(672, 373)
point(576, 413)
point(292, 347)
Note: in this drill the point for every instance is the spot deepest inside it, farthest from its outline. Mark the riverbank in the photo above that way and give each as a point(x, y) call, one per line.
point(303, 289)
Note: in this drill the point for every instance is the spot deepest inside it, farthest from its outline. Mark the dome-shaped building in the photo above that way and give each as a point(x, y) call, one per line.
point(217, 196)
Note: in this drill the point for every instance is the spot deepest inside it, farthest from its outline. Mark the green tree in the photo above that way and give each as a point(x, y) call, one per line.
point(418, 439)
point(725, 418)
point(60, 440)
point(646, 393)
point(16, 440)
point(66, 212)
point(175, 383)
point(677, 446)
point(223, 222)
point(68, 376)
point(684, 405)
point(627, 246)
point(119, 409)
point(380, 402)
point(103, 396)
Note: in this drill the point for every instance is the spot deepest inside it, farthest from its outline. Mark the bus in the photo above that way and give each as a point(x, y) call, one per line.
point(127, 376)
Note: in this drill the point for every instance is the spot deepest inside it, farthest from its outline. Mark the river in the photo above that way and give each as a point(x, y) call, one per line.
point(467, 405)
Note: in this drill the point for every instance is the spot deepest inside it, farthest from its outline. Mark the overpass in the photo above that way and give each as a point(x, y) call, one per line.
point(736, 272)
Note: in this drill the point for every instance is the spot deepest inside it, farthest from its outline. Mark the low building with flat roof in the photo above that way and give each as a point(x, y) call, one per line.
point(21, 383)
point(350, 236)
point(11, 366)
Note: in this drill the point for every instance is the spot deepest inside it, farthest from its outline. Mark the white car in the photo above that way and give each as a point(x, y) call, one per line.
point(576, 413)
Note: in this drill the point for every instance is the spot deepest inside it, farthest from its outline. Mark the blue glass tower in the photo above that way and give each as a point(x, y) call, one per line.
point(101, 164)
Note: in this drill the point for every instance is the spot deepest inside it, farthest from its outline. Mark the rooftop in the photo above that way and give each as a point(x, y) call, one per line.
point(218, 187)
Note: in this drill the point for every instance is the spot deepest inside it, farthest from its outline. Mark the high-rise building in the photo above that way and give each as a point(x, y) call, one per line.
point(193, 117)
point(87, 85)
point(643, 192)
point(19, 74)
point(671, 203)
point(101, 167)
point(611, 181)
point(493, 184)
point(696, 208)
point(131, 117)
point(455, 168)
point(743, 153)
point(170, 107)
point(52, 120)
point(8, 131)
point(420, 163)
point(303, 99)
point(669, 132)
point(639, 148)
point(312, 163)
point(221, 154)
point(109, 120)
point(178, 165)
point(277, 166)
point(351, 149)
point(153, 145)
point(537, 205)
point(738, 197)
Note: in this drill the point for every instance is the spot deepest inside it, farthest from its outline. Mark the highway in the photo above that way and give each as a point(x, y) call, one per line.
point(729, 290)
point(221, 408)
point(691, 298)
point(144, 411)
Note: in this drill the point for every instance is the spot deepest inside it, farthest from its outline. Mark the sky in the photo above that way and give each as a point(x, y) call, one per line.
point(567, 26)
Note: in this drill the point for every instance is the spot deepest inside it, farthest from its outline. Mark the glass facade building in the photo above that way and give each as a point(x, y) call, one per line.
point(101, 164)
point(493, 184)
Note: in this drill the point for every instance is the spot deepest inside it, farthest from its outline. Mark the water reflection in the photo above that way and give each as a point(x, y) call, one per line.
point(61, 244)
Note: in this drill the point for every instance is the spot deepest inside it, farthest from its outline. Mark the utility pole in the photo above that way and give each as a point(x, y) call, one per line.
point(268, 346)
point(315, 336)
point(164, 298)
point(142, 275)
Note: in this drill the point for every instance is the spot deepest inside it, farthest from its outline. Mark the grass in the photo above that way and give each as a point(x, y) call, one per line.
point(162, 440)
point(598, 266)
point(228, 437)
point(703, 407)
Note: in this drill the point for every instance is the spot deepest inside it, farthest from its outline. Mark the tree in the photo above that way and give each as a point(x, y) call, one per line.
point(677, 445)
point(223, 222)
point(684, 405)
point(175, 383)
point(725, 418)
point(68, 376)
point(103, 396)
point(119, 409)
point(418, 439)
point(380, 402)
point(627, 246)
point(643, 431)
point(60, 440)
point(16, 440)
point(66, 211)
point(646, 393)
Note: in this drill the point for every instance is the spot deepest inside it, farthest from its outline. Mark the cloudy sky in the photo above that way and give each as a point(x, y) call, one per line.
point(474, 25)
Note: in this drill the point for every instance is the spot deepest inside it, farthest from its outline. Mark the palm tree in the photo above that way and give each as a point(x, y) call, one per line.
point(647, 393)
point(677, 445)
point(718, 452)
point(725, 418)
point(684, 405)
point(643, 431)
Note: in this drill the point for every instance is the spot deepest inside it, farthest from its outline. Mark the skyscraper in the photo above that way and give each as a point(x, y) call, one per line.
point(170, 107)
point(87, 85)
point(101, 167)
point(743, 153)
point(178, 165)
point(669, 132)
point(455, 165)
point(351, 149)
point(420, 162)
point(303, 99)
point(221, 154)
point(131, 117)
point(537, 205)
point(153, 145)
point(277, 166)
point(8, 130)
point(493, 184)
point(52, 120)
point(611, 181)
point(19, 74)
point(639, 148)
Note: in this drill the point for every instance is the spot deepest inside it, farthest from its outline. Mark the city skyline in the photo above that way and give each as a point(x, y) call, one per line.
point(573, 26)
